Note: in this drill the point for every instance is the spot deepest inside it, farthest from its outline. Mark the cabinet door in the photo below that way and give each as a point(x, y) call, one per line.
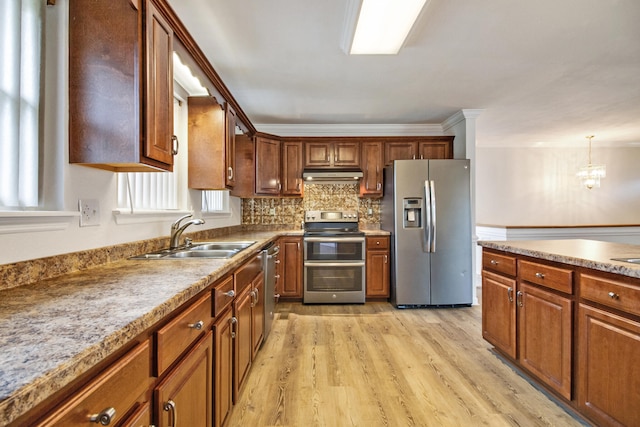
point(371, 182)
point(223, 369)
point(545, 336)
point(436, 149)
point(346, 154)
point(257, 315)
point(378, 274)
point(292, 264)
point(399, 151)
point(242, 347)
point(292, 169)
point(230, 145)
point(608, 371)
point(159, 105)
point(140, 418)
point(317, 155)
point(499, 312)
point(184, 397)
point(207, 168)
point(267, 166)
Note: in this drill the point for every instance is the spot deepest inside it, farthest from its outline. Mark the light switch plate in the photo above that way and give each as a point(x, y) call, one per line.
point(89, 212)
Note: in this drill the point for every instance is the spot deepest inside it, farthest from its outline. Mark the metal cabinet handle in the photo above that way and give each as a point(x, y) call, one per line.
point(493, 262)
point(234, 322)
point(230, 174)
point(379, 186)
point(230, 294)
point(386, 259)
point(510, 294)
point(519, 295)
point(105, 417)
point(540, 275)
point(170, 407)
point(613, 295)
point(198, 325)
point(175, 145)
point(277, 261)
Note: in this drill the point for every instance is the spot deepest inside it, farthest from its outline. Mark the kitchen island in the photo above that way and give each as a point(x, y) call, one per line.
point(567, 314)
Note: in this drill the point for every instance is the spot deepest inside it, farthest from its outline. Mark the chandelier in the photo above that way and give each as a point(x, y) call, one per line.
point(591, 174)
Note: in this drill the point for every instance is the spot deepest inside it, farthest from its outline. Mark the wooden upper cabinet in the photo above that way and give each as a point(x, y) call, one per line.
point(267, 166)
point(426, 147)
point(328, 154)
point(211, 166)
point(292, 163)
point(120, 111)
point(371, 182)
point(230, 145)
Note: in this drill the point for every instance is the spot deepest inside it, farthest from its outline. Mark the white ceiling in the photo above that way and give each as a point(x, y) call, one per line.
point(544, 72)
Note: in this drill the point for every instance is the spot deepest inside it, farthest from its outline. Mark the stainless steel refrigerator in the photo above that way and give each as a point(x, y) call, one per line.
point(427, 208)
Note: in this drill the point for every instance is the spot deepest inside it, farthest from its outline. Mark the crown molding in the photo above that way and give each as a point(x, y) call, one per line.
point(459, 116)
point(350, 129)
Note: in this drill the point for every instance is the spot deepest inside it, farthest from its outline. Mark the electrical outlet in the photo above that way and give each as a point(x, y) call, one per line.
point(89, 212)
point(272, 211)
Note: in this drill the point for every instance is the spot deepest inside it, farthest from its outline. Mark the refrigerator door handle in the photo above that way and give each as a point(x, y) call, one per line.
point(427, 214)
point(432, 185)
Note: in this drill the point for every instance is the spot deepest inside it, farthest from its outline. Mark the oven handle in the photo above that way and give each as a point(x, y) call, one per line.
point(334, 239)
point(333, 264)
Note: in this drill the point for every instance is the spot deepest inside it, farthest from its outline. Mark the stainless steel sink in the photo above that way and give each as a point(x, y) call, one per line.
point(198, 250)
point(633, 260)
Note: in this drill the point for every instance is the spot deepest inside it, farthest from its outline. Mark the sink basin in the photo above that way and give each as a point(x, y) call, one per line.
point(633, 260)
point(199, 250)
point(232, 246)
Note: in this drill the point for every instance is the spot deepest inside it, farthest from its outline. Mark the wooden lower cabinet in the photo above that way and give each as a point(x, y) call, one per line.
point(242, 346)
point(499, 312)
point(545, 336)
point(608, 367)
point(185, 396)
point(223, 367)
point(110, 396)
point(142, 417)
point(290, 268)
point(378, 271)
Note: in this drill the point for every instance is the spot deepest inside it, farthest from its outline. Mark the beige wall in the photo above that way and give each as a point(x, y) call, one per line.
point(538, 186)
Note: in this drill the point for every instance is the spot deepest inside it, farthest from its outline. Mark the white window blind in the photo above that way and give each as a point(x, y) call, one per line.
point(215, 201)
point(147, 191)
point(20, 85)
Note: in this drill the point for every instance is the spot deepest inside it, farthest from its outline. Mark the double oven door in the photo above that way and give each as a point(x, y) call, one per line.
point(334, 269)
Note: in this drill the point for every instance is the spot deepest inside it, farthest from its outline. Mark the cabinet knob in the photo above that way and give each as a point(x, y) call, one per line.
point(105, 417)
point(613, 295)
point(198, 325)
point(230, 294)
point(493, 262)
point(540, 275)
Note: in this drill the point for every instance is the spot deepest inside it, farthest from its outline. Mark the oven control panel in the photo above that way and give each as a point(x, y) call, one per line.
point(331, 216)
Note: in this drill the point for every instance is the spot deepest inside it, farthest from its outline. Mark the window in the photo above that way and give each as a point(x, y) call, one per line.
point(147, 191)
point(215, 201)
point(20, 87)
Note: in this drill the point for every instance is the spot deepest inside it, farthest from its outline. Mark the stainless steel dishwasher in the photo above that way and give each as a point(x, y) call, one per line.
point(269, 255)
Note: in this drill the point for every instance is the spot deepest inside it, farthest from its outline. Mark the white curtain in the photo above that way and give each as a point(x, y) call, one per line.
point(147, 191)
point(20, 80)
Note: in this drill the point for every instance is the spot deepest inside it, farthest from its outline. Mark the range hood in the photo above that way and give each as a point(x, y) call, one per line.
point(328, 175)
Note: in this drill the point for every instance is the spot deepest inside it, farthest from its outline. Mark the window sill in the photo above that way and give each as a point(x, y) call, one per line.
point(124, 217)
point(35, 221)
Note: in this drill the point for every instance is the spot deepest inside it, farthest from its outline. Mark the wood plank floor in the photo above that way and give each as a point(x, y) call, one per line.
point(373, 365)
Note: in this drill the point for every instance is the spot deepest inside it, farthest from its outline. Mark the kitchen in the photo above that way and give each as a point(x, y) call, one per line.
point(61, 234)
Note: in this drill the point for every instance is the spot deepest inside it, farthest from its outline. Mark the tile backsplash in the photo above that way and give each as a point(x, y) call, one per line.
point(316, 197)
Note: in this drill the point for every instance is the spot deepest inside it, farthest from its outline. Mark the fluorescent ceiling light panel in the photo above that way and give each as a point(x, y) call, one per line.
point(383, 25)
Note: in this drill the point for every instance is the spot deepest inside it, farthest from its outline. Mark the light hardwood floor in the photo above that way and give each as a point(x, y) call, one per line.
point(373, 365)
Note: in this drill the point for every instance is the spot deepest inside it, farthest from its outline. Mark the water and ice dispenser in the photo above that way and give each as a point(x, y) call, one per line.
point(412, 208)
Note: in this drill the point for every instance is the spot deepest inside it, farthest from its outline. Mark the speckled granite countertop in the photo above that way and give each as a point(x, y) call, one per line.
point(592, 254)
point(53, 331)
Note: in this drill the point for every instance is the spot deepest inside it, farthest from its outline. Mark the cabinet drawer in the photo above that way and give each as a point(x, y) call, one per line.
point(223, 294)
point(499, 263)
point(245, 274)
point(559, 279)
point(612, 293)
point(377, 243)
point(118, 388)
point(176, 336)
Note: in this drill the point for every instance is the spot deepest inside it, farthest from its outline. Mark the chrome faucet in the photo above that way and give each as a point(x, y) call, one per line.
point(177, 229)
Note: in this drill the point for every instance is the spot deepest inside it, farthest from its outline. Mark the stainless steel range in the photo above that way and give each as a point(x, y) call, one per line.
point(334, 258)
